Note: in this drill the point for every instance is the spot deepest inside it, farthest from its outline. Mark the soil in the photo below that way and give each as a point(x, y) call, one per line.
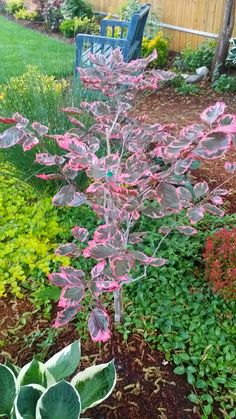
point(146, 388)
point(167, 106)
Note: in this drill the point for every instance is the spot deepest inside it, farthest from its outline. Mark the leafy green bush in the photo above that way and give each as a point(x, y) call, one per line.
point(190, 59)
point(70, 27)
point(196, 328)
point(77, 8)
point(40, 390)
point(13, 6)
point(29, 230)
point(225, 83)
point(24, 14)
point(161, 44)
point(129, 7)
point(231, 59)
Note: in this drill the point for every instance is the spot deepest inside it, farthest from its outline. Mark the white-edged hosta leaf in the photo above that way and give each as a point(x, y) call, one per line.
point(35, 372)
point(95, 384)
point(64, 363)
point(59, 401)
point(26, 401)
point(8, 390)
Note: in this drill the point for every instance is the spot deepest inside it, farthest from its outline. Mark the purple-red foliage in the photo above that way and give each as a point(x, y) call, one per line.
point(142, 172)
point(220, 262)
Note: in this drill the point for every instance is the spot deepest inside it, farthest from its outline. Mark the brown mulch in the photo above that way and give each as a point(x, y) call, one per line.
point(146, 387)
point(167, 106)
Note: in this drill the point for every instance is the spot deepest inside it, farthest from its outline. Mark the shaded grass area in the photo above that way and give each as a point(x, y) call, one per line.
point(20, 47)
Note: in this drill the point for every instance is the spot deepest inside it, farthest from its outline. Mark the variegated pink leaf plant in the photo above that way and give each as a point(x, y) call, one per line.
point(142, 172)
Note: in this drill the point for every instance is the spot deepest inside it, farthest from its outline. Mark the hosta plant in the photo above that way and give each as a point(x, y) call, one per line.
point(40, 390)
point(135, 169)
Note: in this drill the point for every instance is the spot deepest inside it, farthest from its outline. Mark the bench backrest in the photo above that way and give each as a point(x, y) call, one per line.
point(136, 28)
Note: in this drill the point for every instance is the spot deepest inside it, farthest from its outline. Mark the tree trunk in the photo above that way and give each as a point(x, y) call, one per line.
point(224, 39)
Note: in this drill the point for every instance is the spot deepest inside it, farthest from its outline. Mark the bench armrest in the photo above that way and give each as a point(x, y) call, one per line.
point(122, 24)
point(103, 41)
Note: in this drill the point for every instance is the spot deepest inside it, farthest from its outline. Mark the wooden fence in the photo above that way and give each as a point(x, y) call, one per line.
point(188, 17)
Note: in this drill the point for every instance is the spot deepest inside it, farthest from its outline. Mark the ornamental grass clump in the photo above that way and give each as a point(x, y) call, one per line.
point(135, 169)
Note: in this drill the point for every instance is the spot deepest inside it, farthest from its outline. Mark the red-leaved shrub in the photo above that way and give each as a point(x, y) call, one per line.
point(220, 262)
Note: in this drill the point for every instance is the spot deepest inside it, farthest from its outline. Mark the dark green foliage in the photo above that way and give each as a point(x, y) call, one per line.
point(190, 59)
point(225, 83)
point(179, 315)
point(79, 8)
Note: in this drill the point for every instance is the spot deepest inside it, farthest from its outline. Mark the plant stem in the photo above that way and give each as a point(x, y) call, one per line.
point(118, 306)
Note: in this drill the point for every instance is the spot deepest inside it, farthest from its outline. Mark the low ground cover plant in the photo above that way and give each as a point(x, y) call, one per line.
point(191, 59)
point(30, 231)
point(142, 173)
point(40, 390)
point(220, 262)
point(177, 312)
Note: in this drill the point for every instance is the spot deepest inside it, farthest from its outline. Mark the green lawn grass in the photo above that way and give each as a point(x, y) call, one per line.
point(20, 47)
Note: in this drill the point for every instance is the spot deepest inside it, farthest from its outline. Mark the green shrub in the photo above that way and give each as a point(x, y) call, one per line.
point(161, 44)
point(13, 6)
point(225, 83)
point(29, 230)
point(70, 27)
point(77, 8)
point(24, 14)
point(178, 314)
point(190, 59)
point(185, 88)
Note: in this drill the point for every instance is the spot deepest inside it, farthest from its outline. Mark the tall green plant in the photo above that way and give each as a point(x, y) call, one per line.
point(77, 8)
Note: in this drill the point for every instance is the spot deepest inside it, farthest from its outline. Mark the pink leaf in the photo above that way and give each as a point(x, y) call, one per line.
point(29, 143)
point(107, 286)
point(69, 249)
point(68, 277)
point(165, 230)
point(71, 296)
point(146, 260)
point(64, 316)
point(98, 324)
point(40, 129)
point(64, 196)
point(168, 197)
point(7, 121)
point(212, 113)
point(215, 144)
point(217, 200)
point(200, 189)
point(212, 209)
point(187, 230)
point(50, 176)
point(80, 233)
point(196, 214)
point(48, 159)
point(78, 199)
point(98, 269)
point(11, 137)
point(99, 251)
point(120, 266)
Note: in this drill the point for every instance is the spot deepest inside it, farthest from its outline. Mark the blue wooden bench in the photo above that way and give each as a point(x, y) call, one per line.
point(129, 41)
